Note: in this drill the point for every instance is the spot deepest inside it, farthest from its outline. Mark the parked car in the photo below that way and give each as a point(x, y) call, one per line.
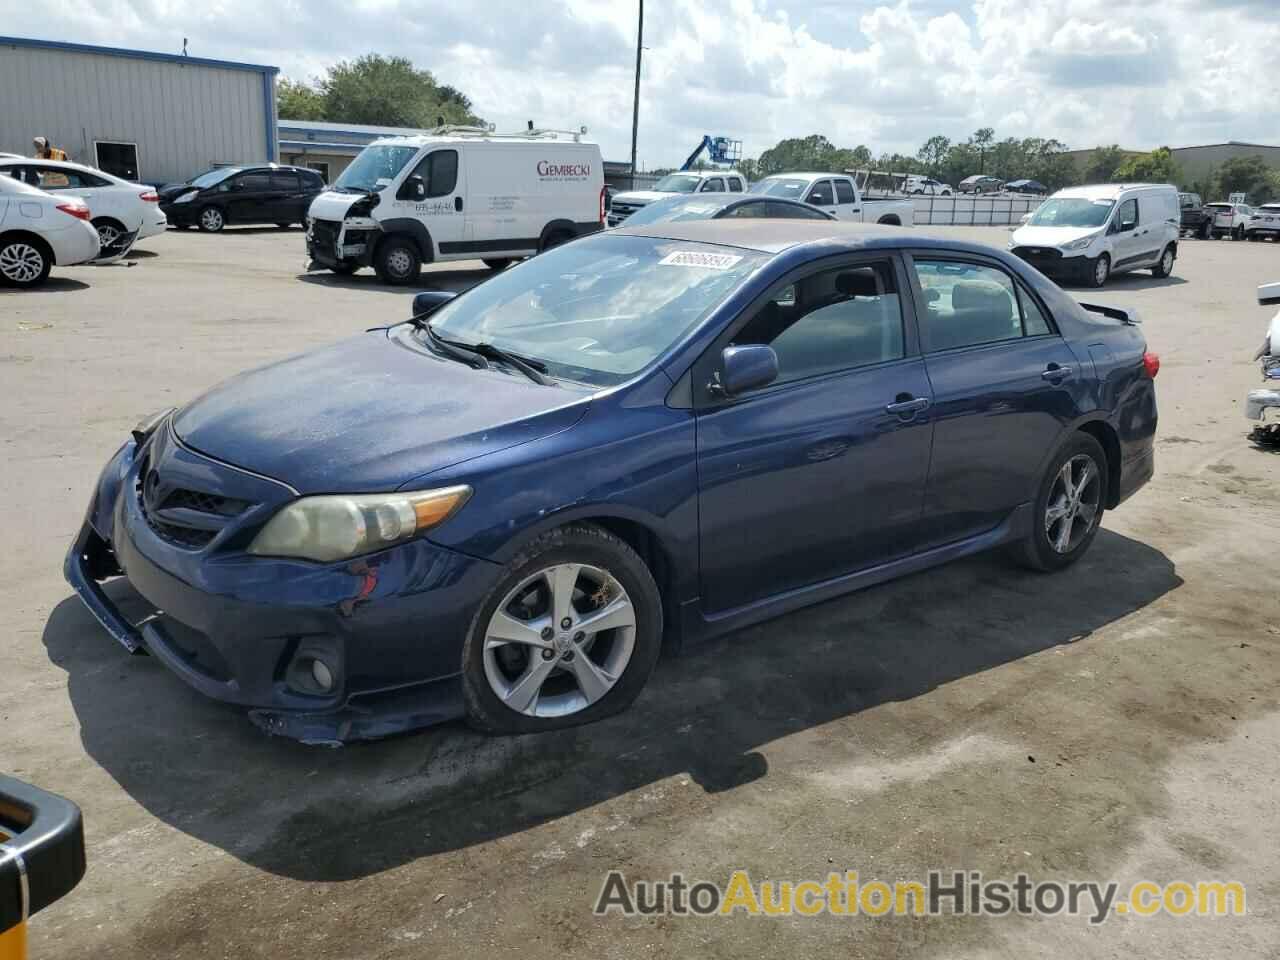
point(838, 195)
point(39, 231)
point(41, 860)
point(981, 184)
point(1026, 186)
point(406, 201)
point(1264, 222)
point(1229, 220)
point(260, 193)
point(685, 181)
point(927, 186)
point(718, 206)
point(123, 212)
point(498, 508)
point(1193, 219)
point(1087, 234)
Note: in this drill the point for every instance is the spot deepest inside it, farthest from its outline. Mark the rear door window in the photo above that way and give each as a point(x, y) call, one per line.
point(844, 192)
point(967, 304)
point(257, 182)
point(284, 180)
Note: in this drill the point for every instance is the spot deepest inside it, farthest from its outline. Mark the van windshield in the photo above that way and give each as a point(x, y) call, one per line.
point(600, 309)
point(1072, 212)
point(375, 167)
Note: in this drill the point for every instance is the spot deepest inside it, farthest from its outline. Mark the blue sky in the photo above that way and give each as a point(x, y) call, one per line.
point(888, 74)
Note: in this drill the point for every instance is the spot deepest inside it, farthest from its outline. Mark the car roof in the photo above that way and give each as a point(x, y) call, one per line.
point(1109, 191)
point(771, 236)
point(803, 175)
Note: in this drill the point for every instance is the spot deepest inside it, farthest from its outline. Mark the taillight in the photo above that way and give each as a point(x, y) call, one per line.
point(1151, 364)
point(149, 197)
point(602, 196)
point(77, 210)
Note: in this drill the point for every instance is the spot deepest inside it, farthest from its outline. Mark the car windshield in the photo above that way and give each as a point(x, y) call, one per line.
point(375, 167)
point(1188, 199)
point(1072, 212)
point(1219, 206)
point(678, 183)
point(776, 187)
point(675, 208)
point(599, 310)
point(212, 177)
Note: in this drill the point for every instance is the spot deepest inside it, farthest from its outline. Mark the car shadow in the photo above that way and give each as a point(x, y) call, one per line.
point(315, 814)
point(54, 284)
point(1127, 281)
point(454, 280)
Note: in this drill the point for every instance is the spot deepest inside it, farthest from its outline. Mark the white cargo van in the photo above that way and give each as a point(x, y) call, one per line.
point(456, 194)
point(1088, 233)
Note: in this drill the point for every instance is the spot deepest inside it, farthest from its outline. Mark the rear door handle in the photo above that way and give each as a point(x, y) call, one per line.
point(914, 405)
point(1055, 373)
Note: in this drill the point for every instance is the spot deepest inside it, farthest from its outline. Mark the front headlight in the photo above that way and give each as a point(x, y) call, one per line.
point(186, 197)
point(328, 528)
point(1080, 244)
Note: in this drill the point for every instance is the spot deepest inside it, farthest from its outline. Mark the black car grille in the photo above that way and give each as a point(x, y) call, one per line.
point(185, 518)
point(620, 211)
point(1038, 254)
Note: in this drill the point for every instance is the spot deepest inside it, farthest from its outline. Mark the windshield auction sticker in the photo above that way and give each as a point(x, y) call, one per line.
point(696, 258)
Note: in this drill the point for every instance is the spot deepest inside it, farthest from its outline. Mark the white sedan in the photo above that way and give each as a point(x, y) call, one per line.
point(123, 211)
point(39, 230)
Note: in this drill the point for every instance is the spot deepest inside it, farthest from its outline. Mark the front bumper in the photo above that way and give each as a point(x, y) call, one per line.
point(179, 214)
point(1053, 263)
point(1258, 402)
point(390, 625)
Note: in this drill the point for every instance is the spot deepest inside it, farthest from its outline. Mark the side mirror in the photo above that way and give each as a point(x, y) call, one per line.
point(1269, 294)
point(413, 188)
point(744, 368)
point(1025, 217)
point(429, 301)
point(1127, 225)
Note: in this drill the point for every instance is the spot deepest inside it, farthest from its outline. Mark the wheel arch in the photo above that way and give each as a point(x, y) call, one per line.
point(1109, 440)
point(890, 220)
point(415, 231)
point(32, 238)
point(554, 227)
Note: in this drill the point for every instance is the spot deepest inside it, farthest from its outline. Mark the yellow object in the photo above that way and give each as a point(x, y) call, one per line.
point(13, 943)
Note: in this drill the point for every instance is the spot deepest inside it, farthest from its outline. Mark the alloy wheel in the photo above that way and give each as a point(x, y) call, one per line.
point(1073, 503)
point(107, 235)
point(399, 263)
point(1101, 270)
point(559, 640)
point(1166, 262)
point(211, 220)
point(21, 262)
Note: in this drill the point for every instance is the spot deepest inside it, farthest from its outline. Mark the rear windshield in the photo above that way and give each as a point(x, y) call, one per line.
point(778, 187)
point(1219, 206)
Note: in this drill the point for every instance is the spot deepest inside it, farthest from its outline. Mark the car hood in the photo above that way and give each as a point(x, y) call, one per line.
point(1051, 236)
point(641, 196)
point(370, 414)
point(332, 205)
point(171, 191)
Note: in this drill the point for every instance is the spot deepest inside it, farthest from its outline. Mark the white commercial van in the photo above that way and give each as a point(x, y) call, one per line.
point(1088, 233)
point(456, 194)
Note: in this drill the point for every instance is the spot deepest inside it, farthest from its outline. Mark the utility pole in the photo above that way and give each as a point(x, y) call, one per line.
point(635, 110)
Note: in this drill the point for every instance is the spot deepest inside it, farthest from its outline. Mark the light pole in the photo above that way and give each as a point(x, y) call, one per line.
point(635, 110)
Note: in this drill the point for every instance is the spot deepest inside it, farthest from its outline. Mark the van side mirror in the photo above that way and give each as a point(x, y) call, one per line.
point(413, 188)
point(748, 367)
point(1127, 225)
point(429, 301)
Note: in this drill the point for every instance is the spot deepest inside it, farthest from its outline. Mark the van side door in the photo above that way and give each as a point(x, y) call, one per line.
point(1127, 239)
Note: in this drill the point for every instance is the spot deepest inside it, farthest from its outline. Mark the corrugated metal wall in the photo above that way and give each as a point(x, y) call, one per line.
point(184, 117)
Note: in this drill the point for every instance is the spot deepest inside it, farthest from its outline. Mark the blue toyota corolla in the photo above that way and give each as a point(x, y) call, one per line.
point(500, 508)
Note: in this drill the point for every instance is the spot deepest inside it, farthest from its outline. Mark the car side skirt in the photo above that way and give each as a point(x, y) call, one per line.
point(698, 625)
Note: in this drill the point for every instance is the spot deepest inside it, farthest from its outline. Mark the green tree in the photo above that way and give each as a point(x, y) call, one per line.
point(390, 91)
point(934, 152)
point(1158, 166)
point(981, 139)
point(1248, 175)
point(1101, 165)
point(297, 100)
point(813, 152)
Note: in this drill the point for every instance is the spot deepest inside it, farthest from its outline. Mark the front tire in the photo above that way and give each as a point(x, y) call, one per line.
point(1165, 266)
point(24, 262)
point(1068, 508)
point(500, 263)
point(397, 262)
point(212, 220)
point(1100, 271)
point(568, 635)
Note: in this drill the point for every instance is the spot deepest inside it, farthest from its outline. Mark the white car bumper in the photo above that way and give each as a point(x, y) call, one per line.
point(153, 222)
point(76, 243)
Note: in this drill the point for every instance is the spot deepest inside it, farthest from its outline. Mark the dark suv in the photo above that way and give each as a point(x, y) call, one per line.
point(267, 193)
point(1194, 219)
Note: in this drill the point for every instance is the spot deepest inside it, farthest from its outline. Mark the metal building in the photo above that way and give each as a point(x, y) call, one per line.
point(151, 117)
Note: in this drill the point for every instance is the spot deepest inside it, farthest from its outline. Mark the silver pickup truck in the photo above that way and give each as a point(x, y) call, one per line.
point(838, 195)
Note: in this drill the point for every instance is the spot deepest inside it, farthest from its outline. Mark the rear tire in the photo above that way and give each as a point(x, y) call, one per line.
point(500, 263)
point(25, 262)
point(1065, 521)
point(397, 262)
point(544, 657)
point(555, 238)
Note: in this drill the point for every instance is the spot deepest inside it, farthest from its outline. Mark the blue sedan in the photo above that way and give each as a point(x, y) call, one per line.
point(501, 508)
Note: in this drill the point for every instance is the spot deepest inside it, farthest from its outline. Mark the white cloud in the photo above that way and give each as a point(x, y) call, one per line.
point(887, 74)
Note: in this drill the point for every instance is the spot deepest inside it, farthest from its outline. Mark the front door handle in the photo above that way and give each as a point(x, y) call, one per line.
point(911, 405)
point(1055, 373)
point(457, 204)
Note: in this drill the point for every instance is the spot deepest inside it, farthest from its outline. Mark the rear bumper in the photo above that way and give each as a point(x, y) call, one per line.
point(76, 244)
point(390, 626)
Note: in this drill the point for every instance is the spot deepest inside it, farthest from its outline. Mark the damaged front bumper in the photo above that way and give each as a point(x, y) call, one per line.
point(349, 242)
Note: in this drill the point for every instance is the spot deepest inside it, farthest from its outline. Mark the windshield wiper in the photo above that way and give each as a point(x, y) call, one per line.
point(531, 368)
point(457, 351)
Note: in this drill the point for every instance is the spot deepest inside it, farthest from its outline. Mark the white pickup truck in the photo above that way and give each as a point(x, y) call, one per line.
point(684, 181)
point(838, 195)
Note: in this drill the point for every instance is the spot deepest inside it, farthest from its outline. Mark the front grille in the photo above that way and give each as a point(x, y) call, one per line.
point(204, 503)
point(1038, 254)
point(621, 210)
point(325, 232)
point(189, 538)
point(165, 515)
